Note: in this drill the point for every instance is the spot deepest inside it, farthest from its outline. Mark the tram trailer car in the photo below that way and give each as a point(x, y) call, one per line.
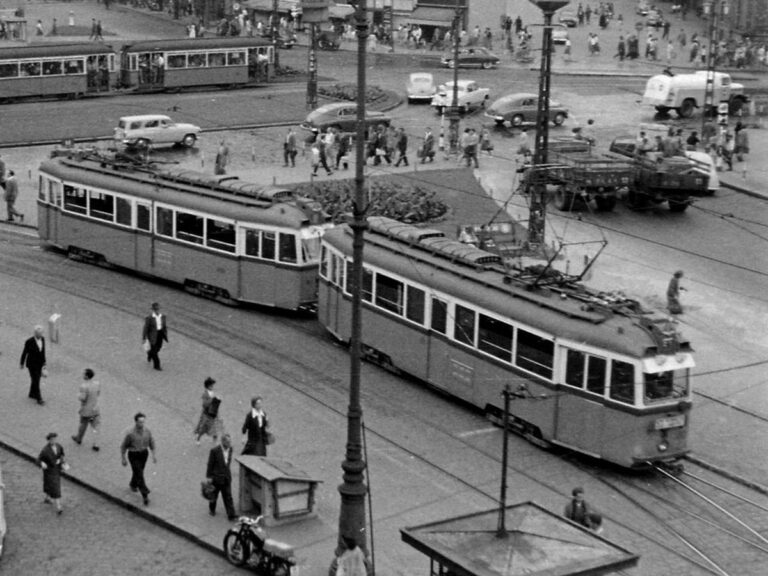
point(218, 236)
point(592, 374)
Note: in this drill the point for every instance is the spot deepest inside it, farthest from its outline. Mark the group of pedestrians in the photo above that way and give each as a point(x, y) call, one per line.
point(138, 443)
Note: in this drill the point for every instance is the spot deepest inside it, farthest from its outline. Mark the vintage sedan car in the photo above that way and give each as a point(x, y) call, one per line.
point(559, 35)
point(521, 108)
point(470, 96)
point(568, 17)
point(654, 18)
point(421, 86)
point(642, 8)
point(150, 130)
point(342, 116)
point(470, 57)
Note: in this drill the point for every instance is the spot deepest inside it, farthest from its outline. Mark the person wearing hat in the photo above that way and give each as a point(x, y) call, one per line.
point(210, 423)
point(51, 460)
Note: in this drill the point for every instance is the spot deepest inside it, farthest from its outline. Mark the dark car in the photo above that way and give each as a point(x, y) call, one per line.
point(568, 18)
point(286, 42)
point(519, 109)
point(343, 117)
point(471, 57)
point(328, 40)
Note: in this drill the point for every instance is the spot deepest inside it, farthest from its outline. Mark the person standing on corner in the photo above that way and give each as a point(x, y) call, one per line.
point(209, 422)
point(222, 159)
point(219, 474)
point(51, 460)
point(33, 358)
point(90, 390)
point(154, 332)
point(289, 149)
point(673, 294)
point(256, 428)
point(11, 193)
point(137, 445)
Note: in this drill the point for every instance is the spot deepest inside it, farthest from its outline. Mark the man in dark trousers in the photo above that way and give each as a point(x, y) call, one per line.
point(137, 445)
point(33, 358)
point(220, 475)
point(155, 331)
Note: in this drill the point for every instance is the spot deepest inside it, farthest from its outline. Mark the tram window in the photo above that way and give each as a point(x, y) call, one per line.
point(622, 381)
point(287, 248)
point(75, 199)
point(164, 223)
point(439, 315)
point(52, 68)
point(9, 70)
point(177, 61)
point(30, 69)
point(197, 60)
point(495, 337)
point(252, 242)
point(666, 385)
point(535, 353)
point(220, 235)
point(338, 270)
point(596, 374)
point(325, 256)
point(268, 240)
point(143, 220)
point(389, 293)
point(574, 368)
point(189, 227)
point(73, 66)
point(464, 325)
point(216, 59)
point(235, 58)
point(41, 182)
point(310, 249)
point(122, 211)
point(102, 206)
point(414, 307)
point(367, 284)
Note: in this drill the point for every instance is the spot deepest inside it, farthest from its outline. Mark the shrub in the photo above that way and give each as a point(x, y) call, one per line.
point(348, 91)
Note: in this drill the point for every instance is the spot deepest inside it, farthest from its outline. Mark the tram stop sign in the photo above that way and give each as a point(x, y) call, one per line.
point(722, 113)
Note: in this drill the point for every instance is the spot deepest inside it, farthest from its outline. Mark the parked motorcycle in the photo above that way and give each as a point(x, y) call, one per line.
point(246, 544)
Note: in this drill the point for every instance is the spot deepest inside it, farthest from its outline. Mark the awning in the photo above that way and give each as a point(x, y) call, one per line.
point(428, 16)
point(267, 5)
point(340, 11)
point(664, 363)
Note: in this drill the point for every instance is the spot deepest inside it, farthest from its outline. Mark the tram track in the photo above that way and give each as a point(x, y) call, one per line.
point(225, 333)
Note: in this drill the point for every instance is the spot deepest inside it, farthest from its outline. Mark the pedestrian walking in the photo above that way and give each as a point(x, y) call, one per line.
point(209, 423)
point(673, 293)
point(342, 154)
point(54, 27)
point(692, 142)
point(90, 414)
point(428, 147)
point(351, 562)
point(222, 159)
point(322, 147)
point(39, 30)
point(92, 35)
point(255, 429)
point(219, 474)
point(315, 158)
point(11, 194)
point(52, 462)
point(98, 33)
point(137, 444)
point(33, 358)
point(621, 50)
point(742, 141)
point(289, 148)
point(402, 147)
point(154, 333)
point(580, 512)
point(470, 151)
point(524, 148)
point(665, 34)
point(485, 142)
point(71, 18)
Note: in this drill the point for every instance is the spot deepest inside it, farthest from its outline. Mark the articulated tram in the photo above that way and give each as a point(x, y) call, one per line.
point(592, 372)
point(217, 235)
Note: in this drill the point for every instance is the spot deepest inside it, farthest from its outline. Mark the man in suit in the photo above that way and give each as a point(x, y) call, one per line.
point(220, 475)
point(155, 331)
point(33, 358)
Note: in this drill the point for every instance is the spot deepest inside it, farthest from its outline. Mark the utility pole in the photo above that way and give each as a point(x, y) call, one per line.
point(713, 8)
point(274, 31)
point(453, 112)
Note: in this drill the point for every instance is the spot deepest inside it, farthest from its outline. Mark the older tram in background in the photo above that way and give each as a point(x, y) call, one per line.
point(217, 235)
point(593, 372)
point(77, 69)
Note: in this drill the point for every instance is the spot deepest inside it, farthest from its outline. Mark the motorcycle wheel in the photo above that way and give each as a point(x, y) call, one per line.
point(235, 549)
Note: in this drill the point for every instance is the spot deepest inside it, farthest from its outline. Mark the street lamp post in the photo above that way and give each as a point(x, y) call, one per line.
point(537, 180)
point(453, 112)
point(312, 69)
point(713, 9)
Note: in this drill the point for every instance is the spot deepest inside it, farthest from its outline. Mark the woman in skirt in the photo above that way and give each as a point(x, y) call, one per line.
point(51, 460)
point(209, 422)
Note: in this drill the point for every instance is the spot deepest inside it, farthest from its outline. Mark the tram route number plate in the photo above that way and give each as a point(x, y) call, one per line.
point(671, 422)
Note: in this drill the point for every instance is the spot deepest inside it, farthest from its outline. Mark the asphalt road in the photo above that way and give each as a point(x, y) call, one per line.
point(93, 537)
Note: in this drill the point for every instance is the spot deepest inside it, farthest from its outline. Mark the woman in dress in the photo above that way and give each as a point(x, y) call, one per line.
point(256, 426)
point(51, 460)
point(209, 422)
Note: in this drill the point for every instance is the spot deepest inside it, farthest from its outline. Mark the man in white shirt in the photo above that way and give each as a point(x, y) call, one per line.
point(155, 331)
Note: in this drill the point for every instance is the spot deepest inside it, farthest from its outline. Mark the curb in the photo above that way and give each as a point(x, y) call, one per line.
point(122, 503)
point(727, 474)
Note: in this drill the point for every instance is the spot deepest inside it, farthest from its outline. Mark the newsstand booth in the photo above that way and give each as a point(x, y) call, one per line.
point(536, 542)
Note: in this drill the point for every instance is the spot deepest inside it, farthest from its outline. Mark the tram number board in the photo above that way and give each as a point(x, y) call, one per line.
point(671, 422)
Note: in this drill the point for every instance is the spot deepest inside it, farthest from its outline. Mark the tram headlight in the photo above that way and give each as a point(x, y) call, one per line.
point(662, 446)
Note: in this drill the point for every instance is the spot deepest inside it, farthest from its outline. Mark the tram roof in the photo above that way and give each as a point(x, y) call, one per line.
point(147, 185)
point(186, 44)
point(51, 50)
point(489, 288)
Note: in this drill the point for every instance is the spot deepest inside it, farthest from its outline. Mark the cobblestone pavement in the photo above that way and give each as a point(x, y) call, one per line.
point(93, 537)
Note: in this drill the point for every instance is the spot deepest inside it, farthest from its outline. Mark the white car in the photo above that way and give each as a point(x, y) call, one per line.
point(149, 130)
point(421, 86)
point(469, 96)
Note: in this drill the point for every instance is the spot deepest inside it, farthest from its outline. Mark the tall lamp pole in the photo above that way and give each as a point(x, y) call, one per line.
point(274, 31)
point(713, 8)
point(537, 186)
point(453, 113)
point(312, 68)
point(352, 520)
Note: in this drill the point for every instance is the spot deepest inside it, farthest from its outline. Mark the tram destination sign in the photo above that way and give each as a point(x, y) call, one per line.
point(671, 422)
